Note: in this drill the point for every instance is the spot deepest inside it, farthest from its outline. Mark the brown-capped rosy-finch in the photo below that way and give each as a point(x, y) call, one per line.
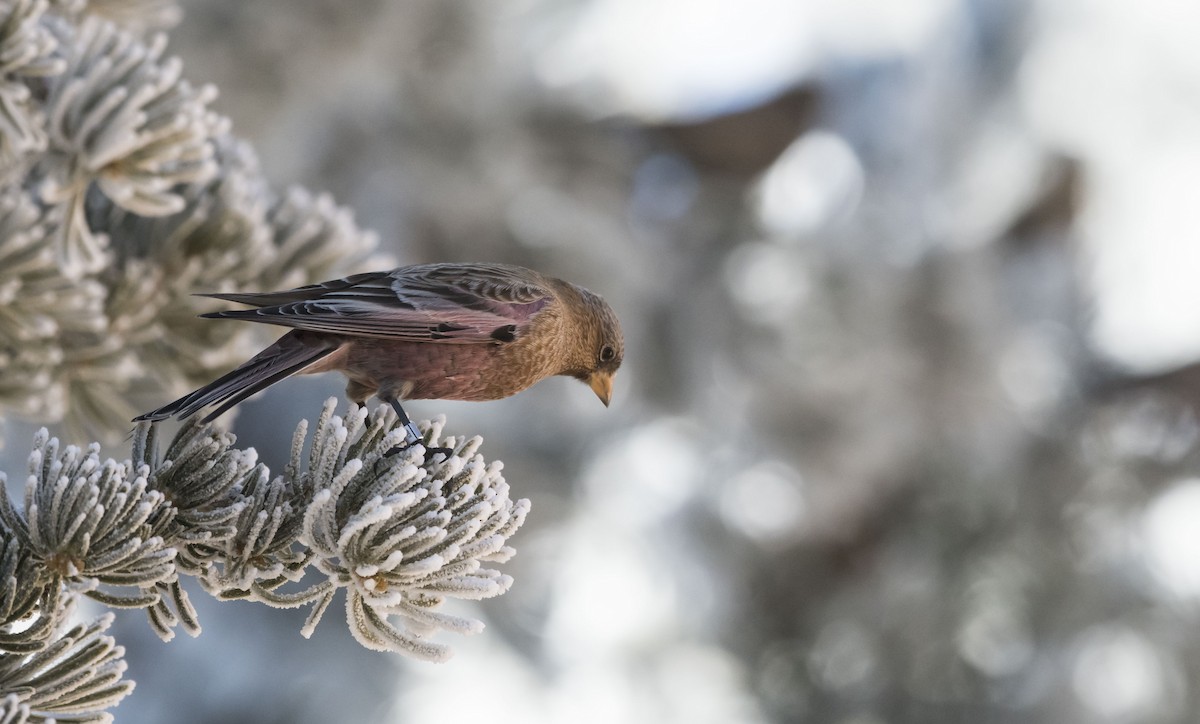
point(429, 331)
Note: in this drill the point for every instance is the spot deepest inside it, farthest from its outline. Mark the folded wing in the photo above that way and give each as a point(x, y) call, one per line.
point(466, 304)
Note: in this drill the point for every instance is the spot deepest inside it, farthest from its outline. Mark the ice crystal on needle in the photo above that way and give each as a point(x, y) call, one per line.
point(72, 679)
point(90, 524)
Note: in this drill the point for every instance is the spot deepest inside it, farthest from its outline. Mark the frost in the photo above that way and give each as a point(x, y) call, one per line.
point(399, 532)
point(122, 194)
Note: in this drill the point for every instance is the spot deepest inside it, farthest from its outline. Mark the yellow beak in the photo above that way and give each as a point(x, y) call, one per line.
point(601, 383)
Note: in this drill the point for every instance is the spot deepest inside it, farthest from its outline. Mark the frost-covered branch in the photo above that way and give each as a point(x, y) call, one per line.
point(74, 678)
point(399, 530)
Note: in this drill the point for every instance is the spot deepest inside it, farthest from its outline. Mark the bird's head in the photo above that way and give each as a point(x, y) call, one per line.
point(599, 347)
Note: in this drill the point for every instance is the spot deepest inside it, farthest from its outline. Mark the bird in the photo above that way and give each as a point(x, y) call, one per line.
point(450, 331)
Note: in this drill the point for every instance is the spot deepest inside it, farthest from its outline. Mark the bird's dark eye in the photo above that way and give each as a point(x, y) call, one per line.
point(607, 353)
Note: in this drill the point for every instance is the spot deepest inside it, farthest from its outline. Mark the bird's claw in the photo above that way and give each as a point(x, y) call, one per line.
point(413, 437)
point(398, 449)
point(429, 451)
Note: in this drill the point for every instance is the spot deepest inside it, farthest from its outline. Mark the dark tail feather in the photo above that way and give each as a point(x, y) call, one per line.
point(286, 357)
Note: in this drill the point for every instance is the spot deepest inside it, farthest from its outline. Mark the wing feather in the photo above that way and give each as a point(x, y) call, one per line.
point(456, 303)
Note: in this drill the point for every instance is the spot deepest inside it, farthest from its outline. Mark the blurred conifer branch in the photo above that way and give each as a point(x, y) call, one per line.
point(400, 532)
point(121, 194)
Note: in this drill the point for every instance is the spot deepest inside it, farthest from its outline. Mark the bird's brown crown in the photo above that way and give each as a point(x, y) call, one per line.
point(600, 344)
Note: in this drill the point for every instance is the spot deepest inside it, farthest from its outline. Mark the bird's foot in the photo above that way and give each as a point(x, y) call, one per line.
point(413, 437)
point(445, 451)
point(429, 451)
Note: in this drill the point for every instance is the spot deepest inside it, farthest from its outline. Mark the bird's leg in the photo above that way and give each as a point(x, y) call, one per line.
point(412, 436)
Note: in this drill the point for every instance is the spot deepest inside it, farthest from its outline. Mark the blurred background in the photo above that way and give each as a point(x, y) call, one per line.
point(906, 430)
